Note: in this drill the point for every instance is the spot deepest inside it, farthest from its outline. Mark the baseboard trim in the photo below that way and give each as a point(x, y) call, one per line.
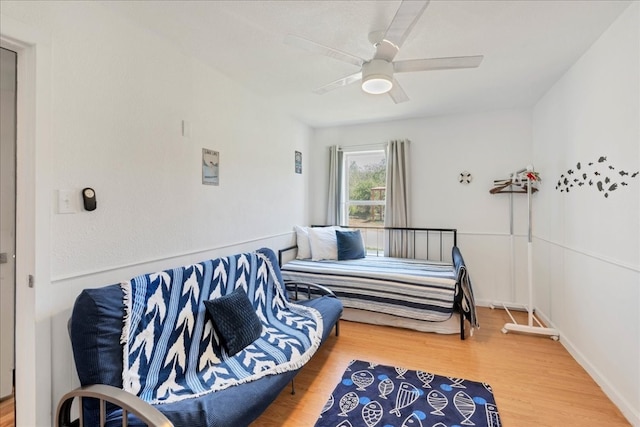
point(625, 407)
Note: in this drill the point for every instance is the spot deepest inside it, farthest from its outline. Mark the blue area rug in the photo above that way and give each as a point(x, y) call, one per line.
point(371, 395)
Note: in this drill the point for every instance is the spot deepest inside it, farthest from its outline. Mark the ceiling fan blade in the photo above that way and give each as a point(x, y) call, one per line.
point(406, 17)
point(339, 83)
point(397, 93)
point(437, 63)
point(314, 47)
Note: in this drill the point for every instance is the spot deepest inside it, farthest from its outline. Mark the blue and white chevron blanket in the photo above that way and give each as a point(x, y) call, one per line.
point(171, 350)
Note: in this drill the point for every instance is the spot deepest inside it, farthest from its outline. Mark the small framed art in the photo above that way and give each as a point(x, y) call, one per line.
point(210, 167)
point(298, 163)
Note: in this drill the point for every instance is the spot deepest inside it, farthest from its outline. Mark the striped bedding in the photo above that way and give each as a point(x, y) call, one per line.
point(416, 289)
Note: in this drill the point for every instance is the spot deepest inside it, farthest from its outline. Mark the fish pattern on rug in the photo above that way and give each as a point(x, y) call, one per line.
point(372, 395)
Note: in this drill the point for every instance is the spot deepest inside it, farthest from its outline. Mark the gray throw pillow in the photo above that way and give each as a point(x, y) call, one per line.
point(235, 320)
point(350, 245)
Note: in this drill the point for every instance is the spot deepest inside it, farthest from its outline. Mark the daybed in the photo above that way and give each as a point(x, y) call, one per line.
point(151, 346)
point(423, 294)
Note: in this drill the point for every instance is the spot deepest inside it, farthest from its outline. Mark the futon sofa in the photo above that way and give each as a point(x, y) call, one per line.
point(174, 348)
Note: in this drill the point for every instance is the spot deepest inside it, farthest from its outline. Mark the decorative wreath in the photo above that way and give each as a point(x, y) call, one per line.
point(465, 177)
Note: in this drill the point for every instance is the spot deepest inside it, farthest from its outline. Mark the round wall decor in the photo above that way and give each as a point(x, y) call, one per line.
point(465, 177)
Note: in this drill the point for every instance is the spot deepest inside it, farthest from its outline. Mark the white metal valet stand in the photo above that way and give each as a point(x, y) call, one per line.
point(538, 328)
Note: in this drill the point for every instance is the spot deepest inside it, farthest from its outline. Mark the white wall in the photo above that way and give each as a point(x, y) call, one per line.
point(587, 247)
point(489, 145)
point(119, 97)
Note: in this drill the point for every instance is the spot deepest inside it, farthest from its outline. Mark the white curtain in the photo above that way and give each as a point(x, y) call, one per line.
point(334, 202)
point(396, 212)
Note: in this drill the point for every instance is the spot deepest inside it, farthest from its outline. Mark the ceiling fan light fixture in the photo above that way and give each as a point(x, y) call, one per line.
point(377, 76)
point(377, 85)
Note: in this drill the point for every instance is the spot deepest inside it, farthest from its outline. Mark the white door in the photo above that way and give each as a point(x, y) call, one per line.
point(8, 62)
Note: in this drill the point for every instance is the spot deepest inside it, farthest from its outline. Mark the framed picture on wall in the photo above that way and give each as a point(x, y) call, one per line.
point(298, 162)
point(210, 167)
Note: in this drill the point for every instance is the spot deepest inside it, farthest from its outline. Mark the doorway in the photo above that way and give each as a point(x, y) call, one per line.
point(8, 92)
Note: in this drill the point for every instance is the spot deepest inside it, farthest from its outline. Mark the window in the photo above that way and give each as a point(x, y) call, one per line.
point(364, 183)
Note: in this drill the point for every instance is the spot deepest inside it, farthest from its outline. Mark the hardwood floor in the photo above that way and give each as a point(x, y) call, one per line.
point(6, 413)
point(535, 381)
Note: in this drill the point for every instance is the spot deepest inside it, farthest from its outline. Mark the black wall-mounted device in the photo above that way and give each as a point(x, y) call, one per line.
point(89, 198)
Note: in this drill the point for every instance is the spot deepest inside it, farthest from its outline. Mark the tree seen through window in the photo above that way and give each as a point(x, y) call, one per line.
point(366, 180)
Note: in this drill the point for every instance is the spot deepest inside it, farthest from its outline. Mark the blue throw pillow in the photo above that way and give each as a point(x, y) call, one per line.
point(350, 245)
point(235, 320)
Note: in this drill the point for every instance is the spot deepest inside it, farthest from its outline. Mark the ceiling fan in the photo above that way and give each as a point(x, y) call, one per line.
point(377, 73)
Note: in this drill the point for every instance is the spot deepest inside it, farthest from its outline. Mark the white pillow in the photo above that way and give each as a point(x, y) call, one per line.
point(302, 240)
point(323, 243)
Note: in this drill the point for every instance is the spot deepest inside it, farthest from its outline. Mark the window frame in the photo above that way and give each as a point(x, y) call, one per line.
point(346, 201)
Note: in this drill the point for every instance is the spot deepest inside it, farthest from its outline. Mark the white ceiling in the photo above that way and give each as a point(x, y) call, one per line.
point(527, 46)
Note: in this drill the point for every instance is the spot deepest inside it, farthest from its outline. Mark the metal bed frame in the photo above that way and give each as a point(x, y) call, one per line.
point(421, 245)
point(129, 403)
